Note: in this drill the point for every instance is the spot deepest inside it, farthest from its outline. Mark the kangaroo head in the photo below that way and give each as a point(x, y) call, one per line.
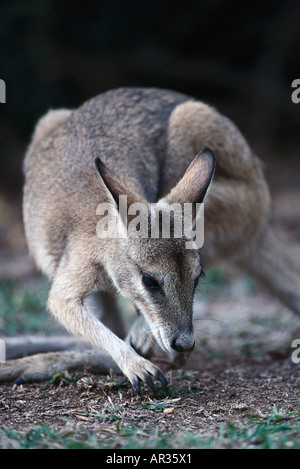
point(153, 265)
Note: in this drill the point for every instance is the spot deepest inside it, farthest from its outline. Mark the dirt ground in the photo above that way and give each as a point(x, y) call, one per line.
point(242, 365)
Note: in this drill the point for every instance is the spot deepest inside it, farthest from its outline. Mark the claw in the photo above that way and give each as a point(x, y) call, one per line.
point(144, 371)
point(150, 384)
point(147, 379)
point(18, 380)
point(136, 384)
point(160, 376)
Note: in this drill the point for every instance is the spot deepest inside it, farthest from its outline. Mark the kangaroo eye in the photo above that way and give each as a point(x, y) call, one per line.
point(150, 282)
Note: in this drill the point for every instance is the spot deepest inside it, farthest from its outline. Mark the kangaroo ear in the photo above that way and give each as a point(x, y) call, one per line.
point(115, 186)
point(193, 186)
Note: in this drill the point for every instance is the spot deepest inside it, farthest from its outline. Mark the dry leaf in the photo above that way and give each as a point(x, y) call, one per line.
point(169, 410)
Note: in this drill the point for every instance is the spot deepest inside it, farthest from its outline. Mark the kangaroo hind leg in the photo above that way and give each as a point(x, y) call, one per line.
point(273, 264)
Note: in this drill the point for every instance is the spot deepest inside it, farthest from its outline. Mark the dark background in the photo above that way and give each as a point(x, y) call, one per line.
point(239, 56)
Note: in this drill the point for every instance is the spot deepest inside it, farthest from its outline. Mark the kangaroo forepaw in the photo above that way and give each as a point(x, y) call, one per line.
point(144, 371)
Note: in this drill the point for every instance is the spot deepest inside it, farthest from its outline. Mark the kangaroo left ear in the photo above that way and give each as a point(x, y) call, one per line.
point(193, 186)
point(115, 186)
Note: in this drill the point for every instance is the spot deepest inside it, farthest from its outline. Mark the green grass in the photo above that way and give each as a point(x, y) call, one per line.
point(274, 431)
point(23, 308)
point(61, 377)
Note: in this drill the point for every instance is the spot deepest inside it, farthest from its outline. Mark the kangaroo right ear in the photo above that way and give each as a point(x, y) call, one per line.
point(194, 184)
point(115, 186)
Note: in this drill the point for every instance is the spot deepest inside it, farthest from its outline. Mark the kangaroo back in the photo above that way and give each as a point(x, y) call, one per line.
point(126, 128)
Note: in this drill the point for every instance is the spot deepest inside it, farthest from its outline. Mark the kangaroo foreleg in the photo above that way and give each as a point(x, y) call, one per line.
point(66, 303)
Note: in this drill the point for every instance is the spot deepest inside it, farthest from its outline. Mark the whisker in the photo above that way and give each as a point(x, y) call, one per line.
point(209, 319)
point(198, 332)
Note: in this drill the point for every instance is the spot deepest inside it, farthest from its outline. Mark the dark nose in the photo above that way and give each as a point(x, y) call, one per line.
point(181, 344)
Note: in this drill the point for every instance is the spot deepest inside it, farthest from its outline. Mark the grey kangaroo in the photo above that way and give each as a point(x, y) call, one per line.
point(157, 147)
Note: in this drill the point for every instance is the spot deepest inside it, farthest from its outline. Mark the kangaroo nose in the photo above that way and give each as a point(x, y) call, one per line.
point(183, 343)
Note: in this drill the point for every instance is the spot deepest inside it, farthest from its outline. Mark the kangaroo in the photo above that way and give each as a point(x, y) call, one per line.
point(157, 148)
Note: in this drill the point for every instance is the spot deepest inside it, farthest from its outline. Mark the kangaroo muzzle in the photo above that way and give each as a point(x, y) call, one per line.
point(184, 342)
